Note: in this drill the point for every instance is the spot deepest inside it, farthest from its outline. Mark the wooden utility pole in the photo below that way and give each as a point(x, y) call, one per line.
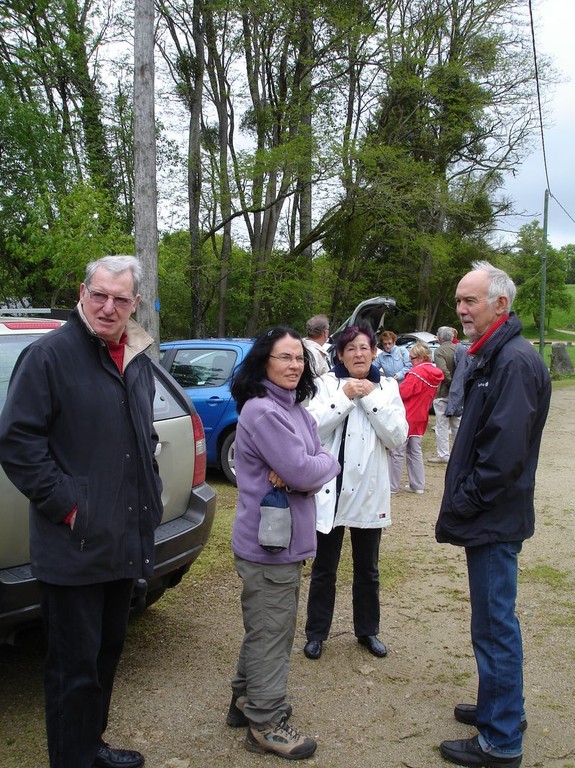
point(145, 203)
point(543, 277)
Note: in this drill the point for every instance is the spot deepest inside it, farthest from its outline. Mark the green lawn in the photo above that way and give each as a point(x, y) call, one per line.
point(561, 328)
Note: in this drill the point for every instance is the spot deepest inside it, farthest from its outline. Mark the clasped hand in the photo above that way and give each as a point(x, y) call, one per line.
point(357, 388)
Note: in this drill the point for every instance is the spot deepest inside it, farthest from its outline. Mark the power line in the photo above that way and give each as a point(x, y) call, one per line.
point(541, 129)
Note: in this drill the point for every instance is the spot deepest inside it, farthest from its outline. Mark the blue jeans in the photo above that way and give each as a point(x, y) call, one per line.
point(497, 645)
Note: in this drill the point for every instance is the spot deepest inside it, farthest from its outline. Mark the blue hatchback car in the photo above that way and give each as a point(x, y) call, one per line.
point(203, 368)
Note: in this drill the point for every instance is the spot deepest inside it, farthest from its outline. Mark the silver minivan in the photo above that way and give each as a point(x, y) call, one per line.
point(189, 502)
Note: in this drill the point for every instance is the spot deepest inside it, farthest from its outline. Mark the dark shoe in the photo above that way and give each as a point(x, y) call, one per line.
point(467, 713)
point(373, 645)
point(281, 739)
point(117, 758)
point(236, 718)
point(468, 752)
point(313, 649)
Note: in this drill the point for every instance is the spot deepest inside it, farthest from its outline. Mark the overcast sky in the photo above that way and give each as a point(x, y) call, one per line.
point(555, 25)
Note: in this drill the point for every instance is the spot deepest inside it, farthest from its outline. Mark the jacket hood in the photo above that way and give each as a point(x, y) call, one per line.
point(428, 373)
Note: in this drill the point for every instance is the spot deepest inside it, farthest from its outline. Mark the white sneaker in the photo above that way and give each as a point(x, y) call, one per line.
point(438, 460)
point(409, 489)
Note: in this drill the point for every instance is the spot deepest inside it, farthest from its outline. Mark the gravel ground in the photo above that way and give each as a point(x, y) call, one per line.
point(173, 690)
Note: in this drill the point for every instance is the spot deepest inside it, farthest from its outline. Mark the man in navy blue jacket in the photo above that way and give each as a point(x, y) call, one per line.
point(488, 506)
point(77, 437)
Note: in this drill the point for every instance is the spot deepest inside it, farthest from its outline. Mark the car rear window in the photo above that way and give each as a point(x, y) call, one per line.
point(203, 367)
point(10, 348)
point(166, 405)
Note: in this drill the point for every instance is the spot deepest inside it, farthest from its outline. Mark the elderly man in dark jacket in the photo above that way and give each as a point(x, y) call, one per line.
point(77, 438)
point(444, 425)
point(488, 506)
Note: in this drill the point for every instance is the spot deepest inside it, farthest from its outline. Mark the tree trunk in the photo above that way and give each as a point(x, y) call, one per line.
point(146, 228)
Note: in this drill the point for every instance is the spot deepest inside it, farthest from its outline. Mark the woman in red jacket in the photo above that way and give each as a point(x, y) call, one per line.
point(417, 391)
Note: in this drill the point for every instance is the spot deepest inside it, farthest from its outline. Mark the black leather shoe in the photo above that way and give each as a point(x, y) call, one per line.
point(468, 752)
point(313, 649)
point(117, 758)
point(373, 645)
point(467, 713)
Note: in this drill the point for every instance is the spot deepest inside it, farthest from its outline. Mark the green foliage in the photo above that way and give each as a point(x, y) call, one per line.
point(525, 269)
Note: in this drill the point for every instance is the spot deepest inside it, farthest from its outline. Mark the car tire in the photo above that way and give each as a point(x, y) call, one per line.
point(227, 462)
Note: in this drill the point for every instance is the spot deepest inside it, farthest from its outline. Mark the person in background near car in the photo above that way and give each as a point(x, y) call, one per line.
point(417, 390)
point(317, 329)
point(360, 415)
point(444, 425)
point(461, 359)
point(77, 438)
point(393, 361)
point(487, 506)
point(276, 444)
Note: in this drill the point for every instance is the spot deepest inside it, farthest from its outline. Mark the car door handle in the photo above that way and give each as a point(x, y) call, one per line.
point(215, 400)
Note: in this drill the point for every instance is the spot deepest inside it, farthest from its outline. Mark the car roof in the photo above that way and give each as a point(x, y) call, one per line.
point(207, 342)
point(406, 338)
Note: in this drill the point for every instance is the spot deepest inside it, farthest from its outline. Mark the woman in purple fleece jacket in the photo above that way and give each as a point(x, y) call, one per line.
point(276, 444)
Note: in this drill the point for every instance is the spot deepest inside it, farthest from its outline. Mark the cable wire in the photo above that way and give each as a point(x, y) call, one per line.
point(541, 114)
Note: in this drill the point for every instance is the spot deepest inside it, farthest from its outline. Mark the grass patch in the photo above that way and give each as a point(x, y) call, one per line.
point(544, 574)
point(217, 557)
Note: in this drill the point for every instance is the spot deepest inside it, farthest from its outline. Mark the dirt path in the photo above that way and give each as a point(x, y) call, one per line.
point(173, 685)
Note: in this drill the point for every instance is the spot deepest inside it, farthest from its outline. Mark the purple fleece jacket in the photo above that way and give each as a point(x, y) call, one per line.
point(275, 432)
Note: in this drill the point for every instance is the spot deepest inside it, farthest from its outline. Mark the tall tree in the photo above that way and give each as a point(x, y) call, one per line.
point(146, 228)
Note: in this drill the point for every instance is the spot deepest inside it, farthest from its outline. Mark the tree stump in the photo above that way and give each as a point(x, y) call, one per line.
point(560, 360)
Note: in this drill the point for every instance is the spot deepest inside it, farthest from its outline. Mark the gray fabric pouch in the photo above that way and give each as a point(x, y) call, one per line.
point(274, 533)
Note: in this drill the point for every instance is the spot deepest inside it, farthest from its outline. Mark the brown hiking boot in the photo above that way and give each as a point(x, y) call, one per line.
point(281, 739)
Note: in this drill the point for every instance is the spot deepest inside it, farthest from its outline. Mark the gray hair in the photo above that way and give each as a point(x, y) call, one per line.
point(316, 325)
point(445, 333)
point(500, 284)
point(116, 264)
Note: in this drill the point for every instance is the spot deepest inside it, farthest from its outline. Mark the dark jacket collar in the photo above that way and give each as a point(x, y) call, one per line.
point(341, 372)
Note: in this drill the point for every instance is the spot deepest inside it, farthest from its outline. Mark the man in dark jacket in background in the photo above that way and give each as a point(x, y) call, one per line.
point(445, 426)
point(488, 506)
point(77, 438)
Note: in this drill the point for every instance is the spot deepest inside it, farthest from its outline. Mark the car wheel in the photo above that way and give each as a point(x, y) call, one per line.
point(227, 461)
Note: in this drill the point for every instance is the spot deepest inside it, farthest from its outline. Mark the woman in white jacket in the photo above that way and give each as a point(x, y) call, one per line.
point(359, 415)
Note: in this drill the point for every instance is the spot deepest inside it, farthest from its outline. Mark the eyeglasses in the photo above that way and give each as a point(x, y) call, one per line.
point(285, 358)
point(120, 302)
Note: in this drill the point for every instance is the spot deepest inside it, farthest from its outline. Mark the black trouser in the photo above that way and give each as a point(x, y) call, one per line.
point(86, 627)
point(321, 600)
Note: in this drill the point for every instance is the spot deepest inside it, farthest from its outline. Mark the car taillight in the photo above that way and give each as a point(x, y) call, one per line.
point(40, 325)
point(200, 445)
